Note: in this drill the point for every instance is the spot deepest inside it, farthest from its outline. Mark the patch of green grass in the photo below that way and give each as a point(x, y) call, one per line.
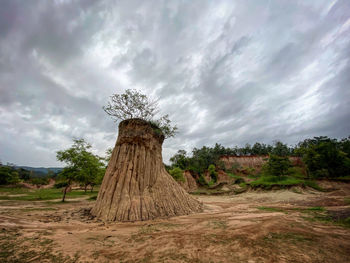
point(243, 185)
point(14, 190)
point(239, 179)
point(24, 194)
point(253, 176)
point(268, 182)
point(211, 183)
point(234, 176)
point(271, 209)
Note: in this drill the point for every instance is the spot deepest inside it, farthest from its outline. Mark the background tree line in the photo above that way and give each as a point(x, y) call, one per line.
point(324, 157)
point(11, 175)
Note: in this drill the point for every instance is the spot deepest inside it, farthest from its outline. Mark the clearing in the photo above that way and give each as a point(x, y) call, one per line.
point(296, 225)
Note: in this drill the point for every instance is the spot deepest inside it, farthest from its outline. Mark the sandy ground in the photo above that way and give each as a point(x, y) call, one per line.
point(276, 226)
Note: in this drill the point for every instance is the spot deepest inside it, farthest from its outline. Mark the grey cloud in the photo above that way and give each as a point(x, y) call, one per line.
point(227, 72)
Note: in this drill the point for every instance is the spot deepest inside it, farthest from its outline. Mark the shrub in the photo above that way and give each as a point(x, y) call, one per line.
point(212, 172)
point(177, 174)
point(211, 183)
point(8, 175)
point(297, 172)
point(276, 165)
point(60, 184)
point(202, 181)
point(324, 157)
point(39, 181)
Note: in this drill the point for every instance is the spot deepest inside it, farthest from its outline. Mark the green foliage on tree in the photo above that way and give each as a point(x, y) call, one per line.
point(24, 174)
point(82, 165)
point(8, 175)
point(212, 173)
point(324, 157)
point(39, 181)
point(276, 165)
point(281, 149)
point(180, 159)
point(133, 104)
point(178, 174)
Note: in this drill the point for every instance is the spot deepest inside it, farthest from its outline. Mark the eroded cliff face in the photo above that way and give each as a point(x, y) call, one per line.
point(189, 184)
point(136, 185)
point(255, 161)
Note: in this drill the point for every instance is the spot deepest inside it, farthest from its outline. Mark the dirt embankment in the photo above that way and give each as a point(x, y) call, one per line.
point(189, 183)
point(255, 161)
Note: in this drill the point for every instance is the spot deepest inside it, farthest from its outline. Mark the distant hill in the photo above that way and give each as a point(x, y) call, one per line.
point(41, 170)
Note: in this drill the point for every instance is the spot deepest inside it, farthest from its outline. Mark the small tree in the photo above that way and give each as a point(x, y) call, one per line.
point(180, 159)
point(82, 165)
point(324, 157)
point(277, 165)
point(134, 105)
point(8, 175)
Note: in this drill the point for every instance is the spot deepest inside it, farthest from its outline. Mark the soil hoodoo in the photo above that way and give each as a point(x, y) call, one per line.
point(136, 185)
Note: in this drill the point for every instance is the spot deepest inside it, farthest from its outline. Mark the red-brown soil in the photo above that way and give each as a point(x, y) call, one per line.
point(275, 226)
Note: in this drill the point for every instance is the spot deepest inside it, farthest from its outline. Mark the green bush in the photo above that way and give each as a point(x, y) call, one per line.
point(177, 174)
point(212, 172)
point(276, 165)
point(60, 184)
point(202, 181)
point(211, 183)
point(39, 181)
point(296, 172)
point(8, 175)
point(324, 157)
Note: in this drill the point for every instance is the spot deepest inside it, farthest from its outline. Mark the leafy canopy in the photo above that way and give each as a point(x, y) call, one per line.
point(133, 104)
point(325, 157)
point(177, 174)
point(277, 165)
point(82, 165)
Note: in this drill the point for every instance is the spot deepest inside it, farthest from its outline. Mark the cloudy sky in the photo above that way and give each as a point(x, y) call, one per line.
point(232, 72)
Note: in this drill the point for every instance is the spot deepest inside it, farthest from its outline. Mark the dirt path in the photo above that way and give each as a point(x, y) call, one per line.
point(280, 226)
